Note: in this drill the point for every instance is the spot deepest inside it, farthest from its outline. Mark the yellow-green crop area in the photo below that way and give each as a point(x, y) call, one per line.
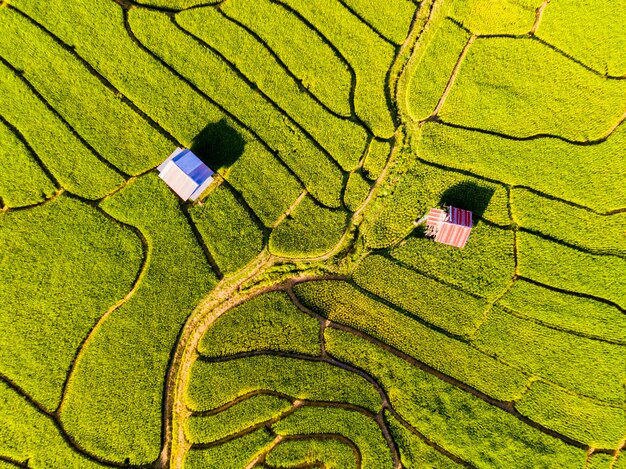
point(296, 315)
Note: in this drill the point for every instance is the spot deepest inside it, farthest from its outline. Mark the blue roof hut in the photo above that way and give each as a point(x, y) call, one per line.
point(186, 174)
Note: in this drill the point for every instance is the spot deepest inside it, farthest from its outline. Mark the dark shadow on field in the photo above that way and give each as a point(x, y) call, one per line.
point(469, 196)
point(218, 145)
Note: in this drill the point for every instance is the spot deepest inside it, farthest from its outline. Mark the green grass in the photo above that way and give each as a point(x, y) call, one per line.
point(300, 48)
point(376, 159)
point(414, 452)
point(568, 360)
point(358, 428)
point(62, 265)
point(620, 463)
point(68, 160)
point(461, 423)
point(392, 18)
point(521, 87)
point(485, 266)
point(310, 230)
point(215, 384)
point(265, 184)
point(343, 139)
point(129, 353)
point(334, 453)
point(252, 411)
point(357, 190)
point(496, 16)
point(26, 434)
point(176, 4)
point(560, 169)
point(228, 231)
point(563, 267)
point(571, 313)
point(602, 234)
point(350, 36)
point(427, 299)
point(577, 417)
point(267, 322)
point(22, 181)
point(341, 303)
point(92, 109)
point(431, 72)
point(233, 454)
point(318, 173)
point(589, 31)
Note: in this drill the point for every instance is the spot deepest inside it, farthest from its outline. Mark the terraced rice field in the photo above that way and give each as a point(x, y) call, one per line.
point(295, 316)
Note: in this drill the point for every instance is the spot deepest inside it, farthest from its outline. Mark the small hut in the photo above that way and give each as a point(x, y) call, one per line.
point(451, 227)
point(186, 174)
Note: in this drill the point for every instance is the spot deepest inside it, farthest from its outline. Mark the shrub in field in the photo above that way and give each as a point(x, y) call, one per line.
point(432, 69)
point(468, 427)
point(22, 181)
point(569, 360)
point(215, 384)
point(560, 169)
point(357, 427)
point(414, 452)
point(265, 184)
point(252, 411)
point(588, 31)
point(376, 159)
point(70, 162)
point(351, 37)
point(569, 269)
point(341, 303)
point(334, 453)
point(63, 265)
point(391, 19)
point(522, 87)
point(90, 108)
point(267, 322)
point(483, 267)
point(496, 16)
point(342, 138)
point(233, 454)
point(28, 435)
point(227, 229)
point(568, 223)
point(357, 190)
point(565, 311)
point(321, 176)
point(582, 419)
point(303, 51)
point(129, 352)
point(427, 299)
point(310, 230)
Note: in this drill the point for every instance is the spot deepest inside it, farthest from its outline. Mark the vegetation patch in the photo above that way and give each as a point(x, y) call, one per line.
point(461, 423)
point(227, 229)
point(392, 18)
point(253, 411)
point(309, 231)
point(376, 158)
point(341, 303)
point(357, 427)
point(129, 352)
point(266, 322)
point(215, 384)
point(333, 453)
point(486, 17)
point(22, 181)
point(63, 265)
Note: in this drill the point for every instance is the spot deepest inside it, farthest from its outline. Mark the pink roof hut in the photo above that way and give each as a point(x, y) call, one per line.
point(452, 227)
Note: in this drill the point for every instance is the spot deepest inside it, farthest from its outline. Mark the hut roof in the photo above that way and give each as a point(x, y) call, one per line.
point(185, 173)
point(453, 235)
